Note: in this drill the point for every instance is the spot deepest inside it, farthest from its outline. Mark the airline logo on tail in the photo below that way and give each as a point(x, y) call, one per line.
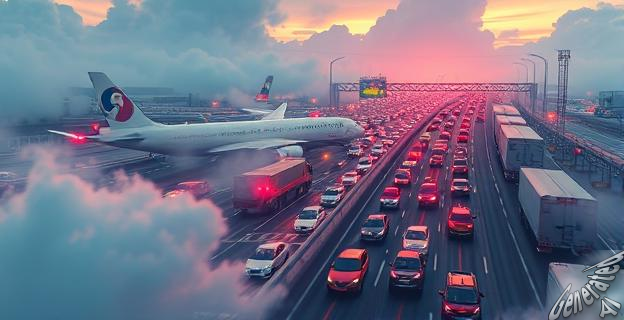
point(263, 96)
point(116, 104)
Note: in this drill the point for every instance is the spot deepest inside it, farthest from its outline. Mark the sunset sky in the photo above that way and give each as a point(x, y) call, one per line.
point(514, 22)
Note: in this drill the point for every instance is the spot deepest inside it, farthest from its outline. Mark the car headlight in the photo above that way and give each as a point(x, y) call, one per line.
point(477, 309)
point(267, 268)
point(356, 281)
point(329, 279)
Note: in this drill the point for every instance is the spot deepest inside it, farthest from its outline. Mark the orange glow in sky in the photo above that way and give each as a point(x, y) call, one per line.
point(514, 22)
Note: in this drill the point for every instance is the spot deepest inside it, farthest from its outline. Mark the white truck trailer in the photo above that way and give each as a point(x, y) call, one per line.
point(557, 210)
point(519, 146)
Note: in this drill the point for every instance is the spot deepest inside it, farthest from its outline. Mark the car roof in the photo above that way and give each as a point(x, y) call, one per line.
point(315, 208)
point(391, 188)
point(270, 245)
point(408, 254)
point(460, 279)
point(417, 228)
point(376, 216)
point(460, 210)
point(351, 253)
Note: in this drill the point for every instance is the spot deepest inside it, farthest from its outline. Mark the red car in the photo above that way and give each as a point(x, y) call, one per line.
point(433, 127)
point(429, 195)
point(463, 136)
point(461, 299)
point(460, 166)
point(465, 124)
point(445, 136)
point(390, 198)
point(348, 270)
point(436, 160)
point(460, 222)
point(402, 177)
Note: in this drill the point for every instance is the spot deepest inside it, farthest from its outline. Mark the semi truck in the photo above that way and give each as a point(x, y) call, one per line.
point(560, 275)
point(557, 210)
point(273, 187)
point(519, 146)
point(503, 120)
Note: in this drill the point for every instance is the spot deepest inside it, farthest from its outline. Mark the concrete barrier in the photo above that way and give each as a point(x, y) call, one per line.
point(348, 210)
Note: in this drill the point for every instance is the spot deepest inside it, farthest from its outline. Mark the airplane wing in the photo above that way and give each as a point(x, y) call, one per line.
point(258, 111)
point(257, 145)
point(103, 139)
point(277, 113)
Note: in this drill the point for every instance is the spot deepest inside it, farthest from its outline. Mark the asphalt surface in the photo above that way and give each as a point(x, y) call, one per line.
point(510, 272)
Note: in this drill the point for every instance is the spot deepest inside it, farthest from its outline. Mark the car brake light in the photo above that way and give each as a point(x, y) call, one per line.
point(451, 224)
point(447, 307)
point(433, 198)
point(469, 225)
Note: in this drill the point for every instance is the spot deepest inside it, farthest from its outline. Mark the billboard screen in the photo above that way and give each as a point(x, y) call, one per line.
point(372, 87)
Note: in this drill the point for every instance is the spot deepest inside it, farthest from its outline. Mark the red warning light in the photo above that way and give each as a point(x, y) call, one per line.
point(313, 100)
point(551, 116)
point(326, 156)
point(314, 114)
point(77, 139)
point(215, 103)
point(95, 127)
point(578, 151)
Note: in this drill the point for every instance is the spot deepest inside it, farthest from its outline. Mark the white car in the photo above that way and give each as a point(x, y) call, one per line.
point(268, 258)
point(309, 219)
point(350, 178)
point(332, 196)
point(416, 238)
point(364, 164)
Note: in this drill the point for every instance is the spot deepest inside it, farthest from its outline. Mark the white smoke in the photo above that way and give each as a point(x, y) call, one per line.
point(70, 251)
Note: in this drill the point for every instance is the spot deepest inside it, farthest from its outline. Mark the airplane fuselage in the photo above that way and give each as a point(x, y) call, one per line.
point(205, 138)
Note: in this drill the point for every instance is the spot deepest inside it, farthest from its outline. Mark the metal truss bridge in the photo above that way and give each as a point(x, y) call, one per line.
point(530, 88)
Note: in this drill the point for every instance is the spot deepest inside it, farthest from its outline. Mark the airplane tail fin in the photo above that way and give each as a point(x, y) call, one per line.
point(119, 110)
point(263, 95)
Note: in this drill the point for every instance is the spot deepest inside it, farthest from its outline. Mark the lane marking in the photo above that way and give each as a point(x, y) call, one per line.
point(505, 212)
point(381, 267)
point(329, 311)
point(396, 231)
point(606, 244)
point(403, 214)
point(526, 270)
point(485, 265)
point(439, 226)
point(435, 262)
point(399, 312)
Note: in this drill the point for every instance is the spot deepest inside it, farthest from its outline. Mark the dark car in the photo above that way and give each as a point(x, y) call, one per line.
point(407, 271)
point(375, 227)
point(461, 299)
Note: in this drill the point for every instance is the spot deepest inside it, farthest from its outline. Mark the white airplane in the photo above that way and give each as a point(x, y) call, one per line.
point(130, 128)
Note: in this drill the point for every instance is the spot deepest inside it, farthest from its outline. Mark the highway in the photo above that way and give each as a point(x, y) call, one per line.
point(510, 272)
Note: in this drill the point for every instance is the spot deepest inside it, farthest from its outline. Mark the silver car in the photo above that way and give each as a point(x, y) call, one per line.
point(267, 258)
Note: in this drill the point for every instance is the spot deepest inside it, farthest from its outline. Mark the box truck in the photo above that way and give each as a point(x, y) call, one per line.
point(272, 187)
point(519, 146)
point(501, 120)
point(557, 210)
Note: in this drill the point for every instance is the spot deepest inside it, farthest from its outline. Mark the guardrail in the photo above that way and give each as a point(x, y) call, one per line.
point(297, 264)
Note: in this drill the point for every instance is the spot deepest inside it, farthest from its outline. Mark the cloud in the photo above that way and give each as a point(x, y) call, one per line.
point(202, 47)
point(596, 40)
point(71, 251)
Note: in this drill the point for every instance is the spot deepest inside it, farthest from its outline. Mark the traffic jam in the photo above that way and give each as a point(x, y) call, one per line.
point(431, 181)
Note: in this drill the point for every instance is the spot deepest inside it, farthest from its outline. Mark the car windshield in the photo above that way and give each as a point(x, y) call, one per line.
point(415, 235)
point(364, 161)
point(428, 188)
point(391, 192)
point(350, 175)
point(264, 254)
point(438, 151)
point(401, 263)
point(461, 162)
point(373, 223)
point(464, 218)
point(461, 295)
point(331, 192)
point(307, 215)
point(347, 264)
point(460, 183)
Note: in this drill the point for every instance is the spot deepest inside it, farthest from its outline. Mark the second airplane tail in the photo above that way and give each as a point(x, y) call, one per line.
point(263, 95)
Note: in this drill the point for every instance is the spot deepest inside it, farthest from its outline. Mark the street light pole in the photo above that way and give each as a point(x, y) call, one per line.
point(526, 69)
point(532, 96)
point(545, 81)
point(331, 66)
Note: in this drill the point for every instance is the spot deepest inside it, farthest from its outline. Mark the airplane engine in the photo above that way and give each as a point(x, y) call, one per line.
point(290, 151)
